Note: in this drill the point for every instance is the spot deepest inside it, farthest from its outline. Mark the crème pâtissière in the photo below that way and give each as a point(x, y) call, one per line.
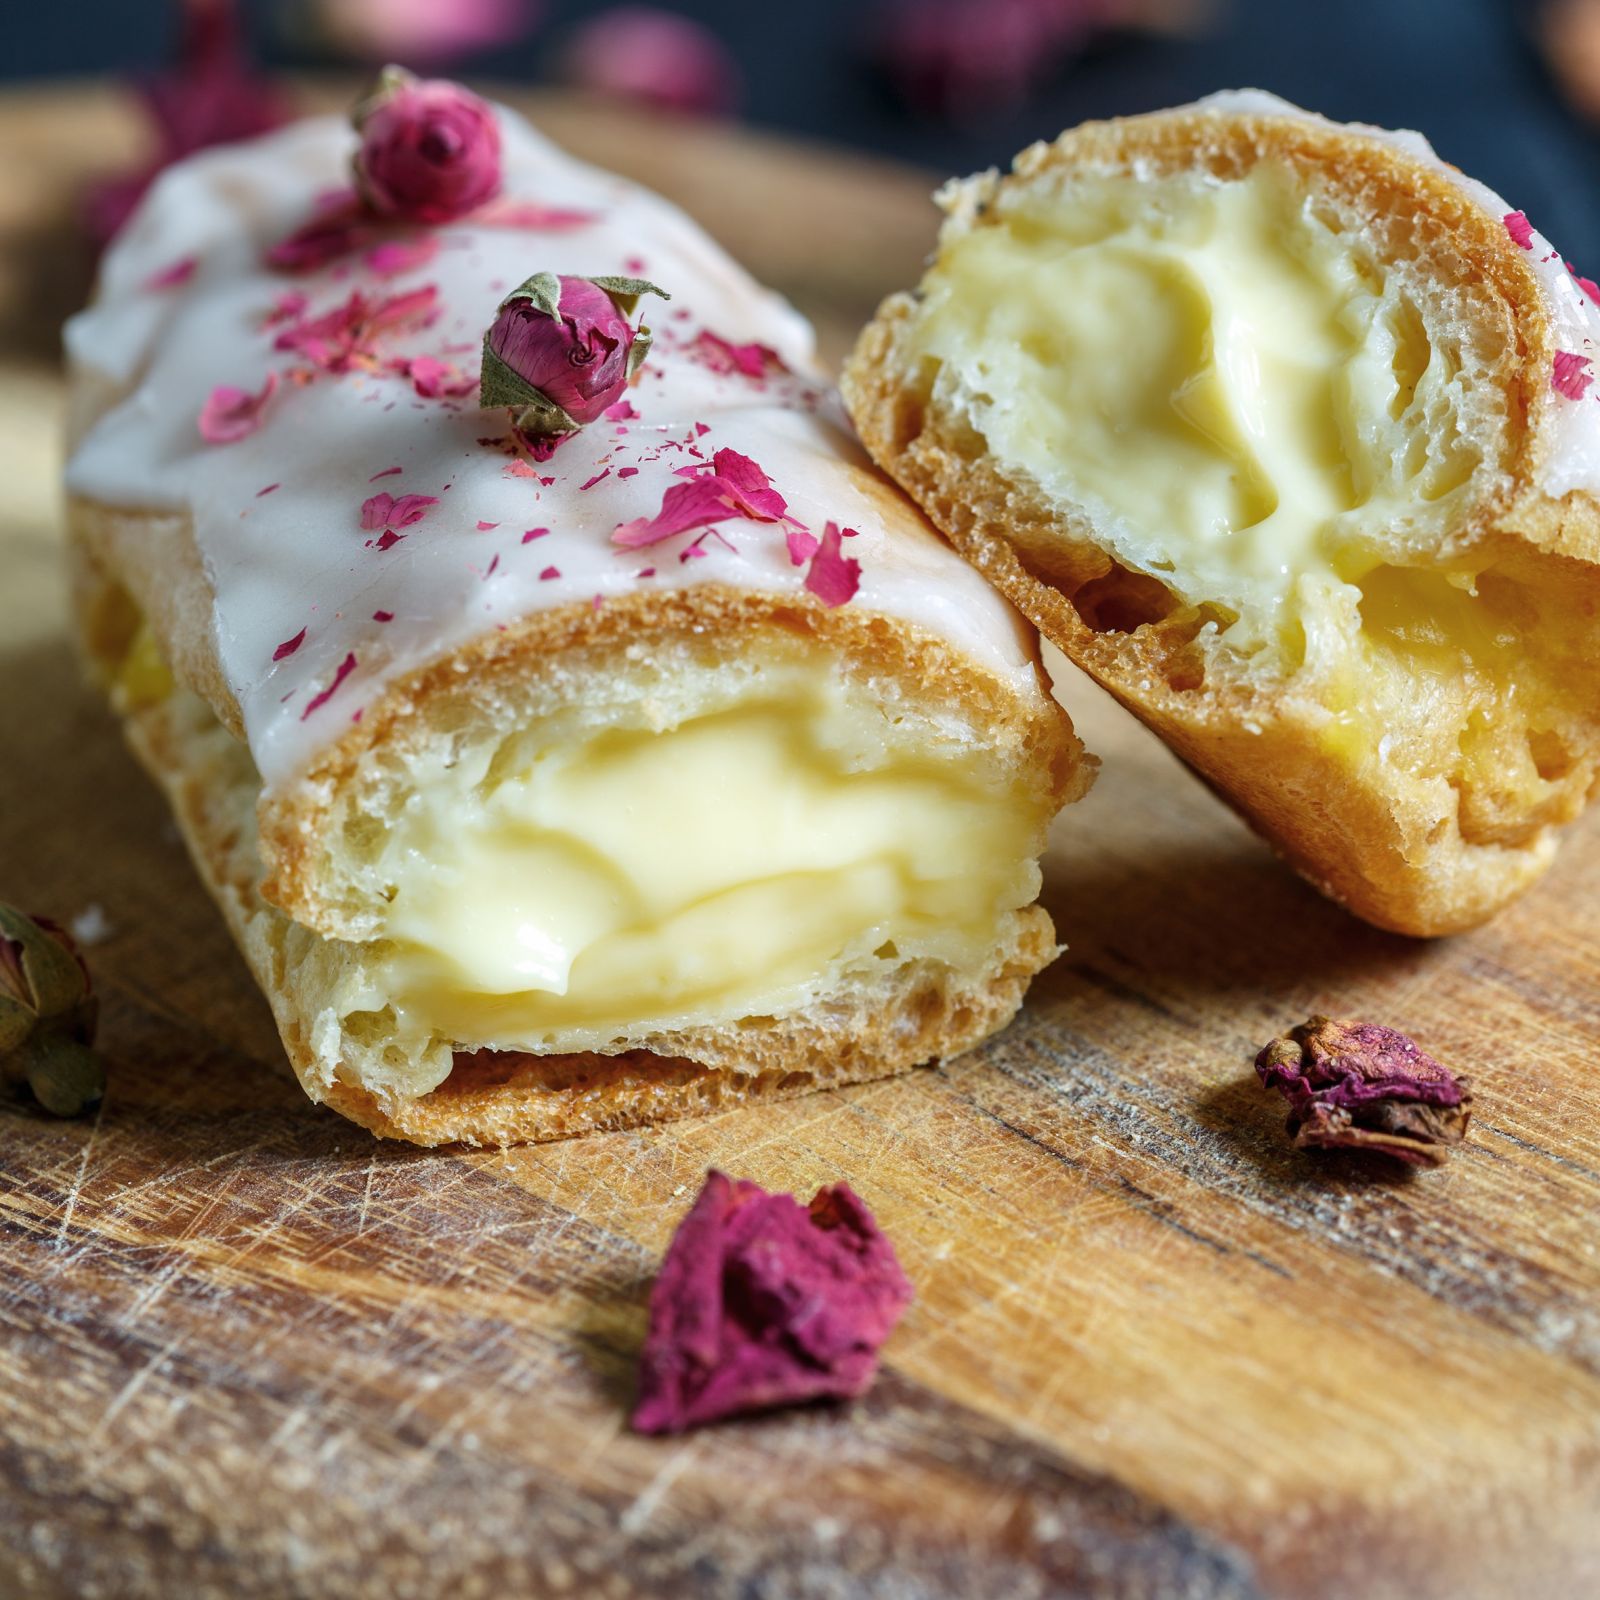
point(524, 831)
point(1285, 432)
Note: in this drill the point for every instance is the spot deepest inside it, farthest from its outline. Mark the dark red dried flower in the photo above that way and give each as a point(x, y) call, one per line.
point(1362, 1086)
point(763, 1302)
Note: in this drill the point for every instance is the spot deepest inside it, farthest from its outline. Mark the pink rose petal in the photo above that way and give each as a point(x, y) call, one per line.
point(346, 667)
point(1520, 229)
point(751, 360)
point(231, 414)
point(289, 646)
point(394, 256)
point(1572, 375)
point(832, 577)
point(180, 272)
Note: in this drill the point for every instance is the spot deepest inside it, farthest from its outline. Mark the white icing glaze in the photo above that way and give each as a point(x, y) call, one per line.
point(1573, 461)
point(297, 557)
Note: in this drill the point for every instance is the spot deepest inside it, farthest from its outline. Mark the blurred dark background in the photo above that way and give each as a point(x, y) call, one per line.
point(1504, 88)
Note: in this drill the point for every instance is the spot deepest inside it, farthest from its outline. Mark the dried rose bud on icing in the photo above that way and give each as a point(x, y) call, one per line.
point(48, 1014)
point(561, 350)
point(763, 1302)
point(1359, 1085)
point(430, 150)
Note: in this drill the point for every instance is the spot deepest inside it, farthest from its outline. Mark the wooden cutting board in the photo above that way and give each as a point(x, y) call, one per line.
point(247, 1351)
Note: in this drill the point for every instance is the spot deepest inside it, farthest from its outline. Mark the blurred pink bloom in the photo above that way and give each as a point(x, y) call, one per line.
point(657, 57)
point(428, 33)
point(430, 150)
point(210, 95)
point(967, 58)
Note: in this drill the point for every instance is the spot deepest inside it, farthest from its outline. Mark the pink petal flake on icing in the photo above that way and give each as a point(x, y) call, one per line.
point(345, 336)
point(833, 577)
point(180, 272)
point(388, 472)
point(735, 488)
point(436, 380)
point(492, 566)
point(387, 540)
point(387, 512)
point(549, 573)
point(383, 616)
point(484, 527)
point(394, 256)
point(627, 472)
point(534, 533)
point(231, 414)
point(346, 667)
point(802, 546)
point(751, 360)
point(528, 214)
point(339, 225)
point(1572, 375)
point(289, 646)
point(261, 494)
point(594, 480)
point(289, 306)
point(622, 411)
point(1520, 229)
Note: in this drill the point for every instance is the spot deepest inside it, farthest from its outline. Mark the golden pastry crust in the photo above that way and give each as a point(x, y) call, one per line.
point(1420, 858)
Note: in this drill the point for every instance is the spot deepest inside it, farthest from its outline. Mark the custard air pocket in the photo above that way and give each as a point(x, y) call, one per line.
point(1286, 432)
point(620, 747)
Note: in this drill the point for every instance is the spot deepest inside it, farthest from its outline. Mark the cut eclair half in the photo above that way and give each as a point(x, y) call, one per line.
point(525, 823)
point(1285, 432)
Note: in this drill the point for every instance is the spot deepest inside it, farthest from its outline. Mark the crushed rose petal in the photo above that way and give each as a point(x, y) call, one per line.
point(833, 577)
point(346, 667)
point(549, 573)
point(394, 256)
point(231, 414)
point(762, 1302)
point(752, 360)
point(1520, 229)
point(180, 272)
point(383, 616)
point(289, 646)
point(385, 511)
point(526, 214)
point(436, 380)
point(338, 226)
point(1571, 376)
point(734, 488)
point(622, 411)
point(341, 338)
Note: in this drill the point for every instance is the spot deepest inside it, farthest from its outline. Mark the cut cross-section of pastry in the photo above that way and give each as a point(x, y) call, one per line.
point(545, 786)
point(1286, 432)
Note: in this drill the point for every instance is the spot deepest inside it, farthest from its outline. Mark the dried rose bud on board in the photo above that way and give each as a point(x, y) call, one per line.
point(48, 1014)
point(562, 349)
point(1361, 1086)
point(430, 150)
point(763, 1302)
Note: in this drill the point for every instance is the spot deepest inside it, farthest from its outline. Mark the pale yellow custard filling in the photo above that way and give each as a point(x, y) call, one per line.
point(1208, 371)
point(584, 884)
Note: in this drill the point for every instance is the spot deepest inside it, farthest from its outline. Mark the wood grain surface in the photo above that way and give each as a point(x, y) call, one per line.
point(247, 1351)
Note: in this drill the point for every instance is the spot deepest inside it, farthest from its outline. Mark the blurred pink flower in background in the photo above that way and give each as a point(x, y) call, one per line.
point(657, 57)
point(963, 59)
point(212, 94)
point(421, 33)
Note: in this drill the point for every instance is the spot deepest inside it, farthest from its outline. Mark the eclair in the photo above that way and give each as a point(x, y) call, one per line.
point(1286, 432)
point(604, 742)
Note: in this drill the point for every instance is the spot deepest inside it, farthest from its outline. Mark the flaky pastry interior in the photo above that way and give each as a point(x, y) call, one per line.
point(1253, 416)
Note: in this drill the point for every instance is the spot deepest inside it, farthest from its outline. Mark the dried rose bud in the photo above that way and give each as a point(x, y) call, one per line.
point(48, 1014)
point(763, 1302)
point(563, 349)
point(1358, 1085)
point(430, 150)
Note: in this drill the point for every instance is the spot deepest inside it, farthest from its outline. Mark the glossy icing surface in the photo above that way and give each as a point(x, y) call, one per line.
point(277, 515)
